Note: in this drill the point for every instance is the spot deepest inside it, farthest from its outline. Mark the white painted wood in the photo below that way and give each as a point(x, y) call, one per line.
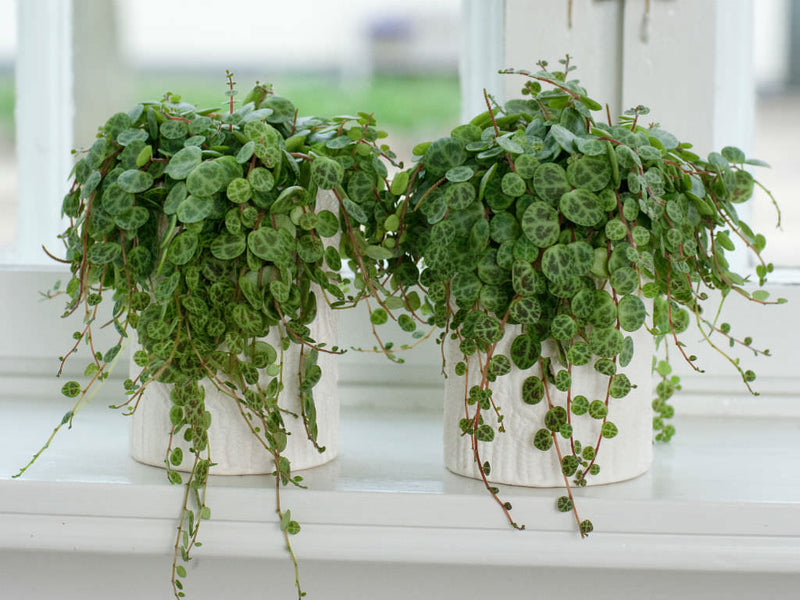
point(513, 458)
point(44, 125)
point(721, 497)
point(78, 576)
point(482, 54)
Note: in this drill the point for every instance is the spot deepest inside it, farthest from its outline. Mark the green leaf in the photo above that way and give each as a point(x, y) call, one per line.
point(132, 218)
point(310, 249)
point(608, 430)
point(131, 135)
point(355, 210)
point(327, 223)
point(540, 224)
point(267, 244)
point(183, 162)
point(459, 174)
point(632, 313)
point(543, 440)
point(597, 409)
point(283, 111)
point(103, 253)
point(245, 152)
point(181, 250)
point(227, 246)
point(144, 156)
point(378, 252)
point(71, 389)
point(194, 209)
point(606, 341)
point(286, 517)
point(592, 173)
point(620, 386)
point(287, 199)
point(361, 187)
point(564, 137)
point(664, 138)
point(239, 191)
point(550, 181)
point(115, 200)
point(173, 129)
point(135, 181)
point(509, 145)
point(513, 185)
point(582, 207)
point(174, 198)
point(399, 183)
point(206, 179)
point(487, 177)
point(261, 179)
point(444, 154)
point(525, 352)
point(733, 154)
point(293, 528)
point(326, 173)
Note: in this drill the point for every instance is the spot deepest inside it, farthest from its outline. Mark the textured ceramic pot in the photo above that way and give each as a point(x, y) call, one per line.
point(233, 446)
point(513, 458)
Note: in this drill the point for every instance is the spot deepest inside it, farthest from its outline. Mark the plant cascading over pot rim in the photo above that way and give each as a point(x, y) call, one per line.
point(547, 241)
point(202, 228)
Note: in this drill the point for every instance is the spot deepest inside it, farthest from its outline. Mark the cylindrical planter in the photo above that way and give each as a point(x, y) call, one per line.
point(232, 444)
point(513, 458)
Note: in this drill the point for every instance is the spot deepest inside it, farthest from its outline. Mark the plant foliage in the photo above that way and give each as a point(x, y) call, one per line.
point(202, 228)
point(537, 222)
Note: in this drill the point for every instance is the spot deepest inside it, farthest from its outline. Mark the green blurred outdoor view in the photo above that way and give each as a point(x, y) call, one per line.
point(405, 106)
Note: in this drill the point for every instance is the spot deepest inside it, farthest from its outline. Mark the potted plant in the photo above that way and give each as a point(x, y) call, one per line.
point(557, 251)
point(219, 236)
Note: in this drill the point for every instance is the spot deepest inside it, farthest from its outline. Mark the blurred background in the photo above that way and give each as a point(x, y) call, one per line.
point(398, 58)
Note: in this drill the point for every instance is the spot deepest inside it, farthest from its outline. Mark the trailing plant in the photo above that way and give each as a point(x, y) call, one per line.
point(565, 234)
point(200, 227)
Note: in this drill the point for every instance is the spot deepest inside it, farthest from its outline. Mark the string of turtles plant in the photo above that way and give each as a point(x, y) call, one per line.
point(201, 228)
point(535, 220)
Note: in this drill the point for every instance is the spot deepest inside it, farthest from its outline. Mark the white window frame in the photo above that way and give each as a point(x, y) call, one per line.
point(44, 113)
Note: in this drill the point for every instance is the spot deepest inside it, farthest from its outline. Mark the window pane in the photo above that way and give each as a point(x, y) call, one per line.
point(777, 132)
point(397, 58)
point(777, 70)
point(8, 162)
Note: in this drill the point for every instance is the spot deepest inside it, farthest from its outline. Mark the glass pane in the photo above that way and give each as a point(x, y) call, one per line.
point(777, 127)
point(777, 132)
point(8, 162)
point(397, 58)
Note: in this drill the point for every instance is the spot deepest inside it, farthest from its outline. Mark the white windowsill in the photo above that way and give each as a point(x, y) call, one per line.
point(723, 496)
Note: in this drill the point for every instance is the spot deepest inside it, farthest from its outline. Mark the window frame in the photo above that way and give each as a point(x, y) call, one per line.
point(43, 113)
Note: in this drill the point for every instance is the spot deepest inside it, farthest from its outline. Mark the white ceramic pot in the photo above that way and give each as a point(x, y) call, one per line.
point(232, 445)
point(513, 458)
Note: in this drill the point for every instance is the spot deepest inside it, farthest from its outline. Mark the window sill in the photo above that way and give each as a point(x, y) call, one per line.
point(723, 496)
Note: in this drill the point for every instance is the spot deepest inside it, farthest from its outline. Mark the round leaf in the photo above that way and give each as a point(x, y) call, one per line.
point(135, 181)
point(184, 162)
